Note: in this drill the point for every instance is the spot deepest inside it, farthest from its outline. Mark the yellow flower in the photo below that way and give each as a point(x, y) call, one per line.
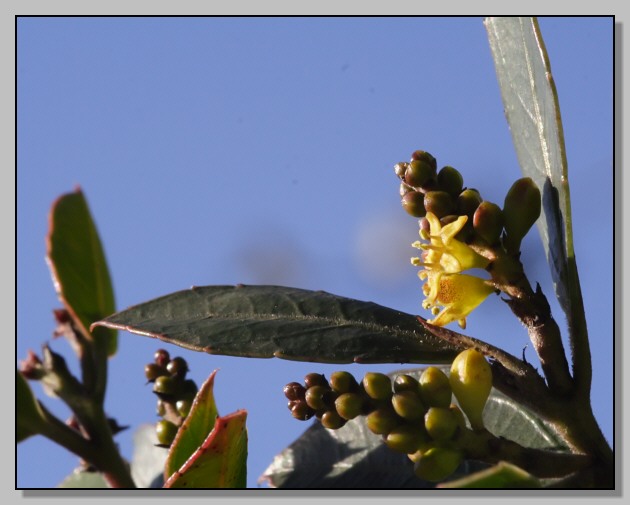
point(445, 252)
point(457, 294)
point(443, 259)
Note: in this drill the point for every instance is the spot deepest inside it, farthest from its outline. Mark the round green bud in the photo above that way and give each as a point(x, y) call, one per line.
point(382, 421)
point(332, 420)
point(520, 211)
point(408, 405)
point(343, 382)
point(300, 410)
point(152, 371)
point(294, 391)
point(440, 423)
point(439, 203)
point(450, 180)
point(161, 357)
point(165, 385)
point(315, 379)
point(435, 388)
point(413, 203)
point(467, 202)
point(437, 463)
point(315, 397)
point(400, 169)
point(406, 438)
point(471, 382)
point(165, 431)
point(378, 386)
point(188, 389)
point(349, 405)
point(420, 174)
point(405, 383)
point(488, 222)
point(177, 367)
point(183, 407)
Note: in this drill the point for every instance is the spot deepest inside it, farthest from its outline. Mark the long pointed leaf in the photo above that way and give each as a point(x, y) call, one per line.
point(531, 106)
point(78, 266)
point(287, 323)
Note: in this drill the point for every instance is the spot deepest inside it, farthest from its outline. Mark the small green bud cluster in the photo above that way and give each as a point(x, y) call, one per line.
point(175, 393)
point(413, 416)
point(425, 189)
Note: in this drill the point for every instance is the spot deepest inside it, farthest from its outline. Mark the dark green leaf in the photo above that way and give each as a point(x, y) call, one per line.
point(78, 266)
point(195, 428)
point(28, 415)
point(288, 323)
point(501, 476)
point(221, 461)
point(531, 106)
point(353, 457)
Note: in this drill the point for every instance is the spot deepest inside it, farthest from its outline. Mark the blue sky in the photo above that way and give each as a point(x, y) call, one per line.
point(260, 150)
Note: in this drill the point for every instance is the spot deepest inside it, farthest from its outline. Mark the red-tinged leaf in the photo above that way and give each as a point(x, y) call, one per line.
point(78, 266)
point(221, 461)
point(195, 428)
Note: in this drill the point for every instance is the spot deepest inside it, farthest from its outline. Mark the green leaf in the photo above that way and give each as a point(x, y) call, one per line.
point(353, 457)
point(28, 414)
point(78, 266)
point(501, 476)
point(81, 479)
point(195, 428)
point(288, 323)
point(531, 106)
point(221, 461)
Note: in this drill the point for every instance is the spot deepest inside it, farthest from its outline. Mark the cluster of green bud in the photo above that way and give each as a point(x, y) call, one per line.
point(174, 391)
point(424, 188)
point(413, 416)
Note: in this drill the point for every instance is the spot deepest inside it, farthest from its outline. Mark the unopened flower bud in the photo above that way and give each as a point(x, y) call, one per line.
point(165, 431)
point(520, 211)
point(440, 423)
point(438, 463)
point(152, 371)
point(450, 180)
point(332, 420)
point(343, 382)
point(421, 171)
point(468, 201)
point(413, 203)
point(405, 383)
point(162, 357)
point(406, 438)
point(315, 379)
point(300, 410)
point(408, 405)
point(177, 367)
point(315, 397)
point(435, 388)
point(439, 203)
point(349, 405)
point(382, 421)
point(294, 391)
point(378, 386)
point(488, 222)
point(471, 382)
